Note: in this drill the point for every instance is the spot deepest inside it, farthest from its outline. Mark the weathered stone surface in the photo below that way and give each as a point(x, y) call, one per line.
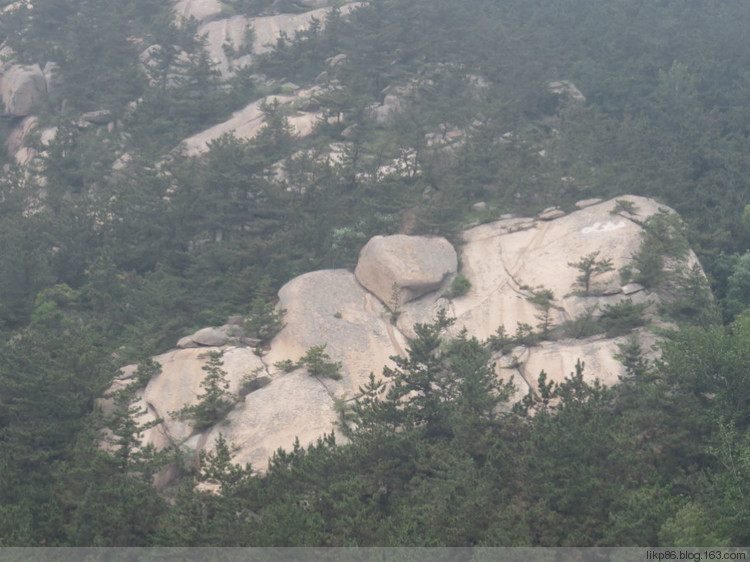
point(392, 105)
point(16, 144)
point(99, 117)
point(264, 32)
point(201, 10)
point(507, 259)
point(206, 337)
point(551, 214)
point(186, 343)
point(632, 288)
point(21, 87)
point(587, 203)
point(16, 139)
point(336, 60)
point(210, 337)
point(566, 88)
point(558, 359)
point(293, 406)
point(330, 308)
point(506, 262)
point(247, 122)
point(179, 385)
point(52, 76)
point(399, 268)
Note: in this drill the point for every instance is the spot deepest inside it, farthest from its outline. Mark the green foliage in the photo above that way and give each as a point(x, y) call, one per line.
point(589, 266)
point(713, 364)
point(663, 239)
point(121, 262)
point(583, 325)
point(215, 402)
point(318, 363)
point(623, 206)
point(286, 365)
point(543, 298)
point(738, 291)
point(265, 319)
point(623, 317)
point(459, 287)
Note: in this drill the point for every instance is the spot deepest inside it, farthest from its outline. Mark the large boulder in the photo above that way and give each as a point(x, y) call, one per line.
point(294, 406)
point(330, 308)
point(205, 337)
point(507, 263)
point(179, 385)
point(21, 87)
point(508, 260)
point(399, 268)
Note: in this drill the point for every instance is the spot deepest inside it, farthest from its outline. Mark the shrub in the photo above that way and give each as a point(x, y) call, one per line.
point(459, 287)
point(215, 402)
point(621, 318)
point(318, 363)
point(590, 266)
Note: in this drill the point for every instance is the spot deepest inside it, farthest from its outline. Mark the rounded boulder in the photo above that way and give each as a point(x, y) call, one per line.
point(399, 268)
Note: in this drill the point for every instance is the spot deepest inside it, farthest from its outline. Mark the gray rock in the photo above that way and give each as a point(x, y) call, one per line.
point(481, 206)
point(503, 260)
point(568, 89)
point(16, 139)
point(210, 337)
point(632, 288)
point(98, 117)
point(20, 88)
point(336, 60)
point(186, 343)
point(551, 214)
point(588, 203)
point(399, 268)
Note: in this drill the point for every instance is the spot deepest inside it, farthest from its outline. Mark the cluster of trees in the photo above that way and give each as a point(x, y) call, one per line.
point(438, 459)
point(99, 268)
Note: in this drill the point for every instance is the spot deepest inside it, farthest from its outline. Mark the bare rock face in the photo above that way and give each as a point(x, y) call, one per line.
point(21, 87)
point(16, 145)
point(201, 10)
point(330, 308)
point(248, 122)
point(567, 89)
point(232, 41)
point(400, 268)
point(179, 385)
point(507, 263)
point(16, 139)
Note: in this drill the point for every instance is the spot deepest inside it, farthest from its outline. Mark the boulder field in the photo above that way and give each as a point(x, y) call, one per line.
point(365, 317)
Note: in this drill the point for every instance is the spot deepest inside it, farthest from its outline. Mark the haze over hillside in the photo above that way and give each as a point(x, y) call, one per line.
point(260, 179)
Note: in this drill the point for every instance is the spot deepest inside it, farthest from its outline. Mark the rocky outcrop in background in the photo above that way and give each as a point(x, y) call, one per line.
point(365, 317)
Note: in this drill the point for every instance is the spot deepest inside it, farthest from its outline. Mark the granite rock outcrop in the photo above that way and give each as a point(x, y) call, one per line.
point(507, 262)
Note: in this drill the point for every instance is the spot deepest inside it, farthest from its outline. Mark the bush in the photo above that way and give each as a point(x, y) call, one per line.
point(459, 287)
point(215, 402)
point(621, 318)
point(318, 363)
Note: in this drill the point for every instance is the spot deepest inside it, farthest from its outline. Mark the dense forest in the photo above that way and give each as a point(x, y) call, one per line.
point(103, 266)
